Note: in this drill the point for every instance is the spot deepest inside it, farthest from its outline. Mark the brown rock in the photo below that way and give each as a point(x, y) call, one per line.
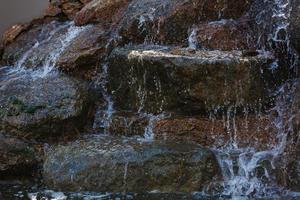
point(85, 52)
point(100, 11)
point(248, 132)
point(13, 32)
point(224, 35)
point(71, 7)
point(159, 78)
point(53, 11)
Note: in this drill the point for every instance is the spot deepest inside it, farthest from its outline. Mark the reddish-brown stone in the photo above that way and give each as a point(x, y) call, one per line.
point(100, 11)
point(13, 32)
point(249, 132)
point(225, 35)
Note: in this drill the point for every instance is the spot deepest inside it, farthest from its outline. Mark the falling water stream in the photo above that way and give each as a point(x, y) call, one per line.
point(247, 172)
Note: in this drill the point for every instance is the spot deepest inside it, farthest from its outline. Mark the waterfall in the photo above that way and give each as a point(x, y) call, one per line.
point(246, 171)
point(61, 35)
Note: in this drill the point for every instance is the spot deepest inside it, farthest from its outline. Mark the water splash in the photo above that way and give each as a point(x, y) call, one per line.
point(192, 39)
point(63, 40)
point(103, 117)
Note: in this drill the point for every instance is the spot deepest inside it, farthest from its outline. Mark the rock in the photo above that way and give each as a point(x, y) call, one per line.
point(13, 32)
point(41, 106)
point(295, 25)
point(116, 165)
point(72, 49)
point(155, 79)
point(17, 158)
point(102, 11)
point(224, 35)
point(247, 131)
point(166, 21)
point(40, 30)
point(71, 7)
point(128, 124)
point(67, 7)
point(85, 51)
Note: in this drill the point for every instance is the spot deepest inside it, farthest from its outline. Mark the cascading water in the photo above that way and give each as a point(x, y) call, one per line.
point(62, 33)
point(246, 171)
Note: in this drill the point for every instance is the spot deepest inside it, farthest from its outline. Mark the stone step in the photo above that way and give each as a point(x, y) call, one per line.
point(156, 78)
point(255, 131)
point(103, 163)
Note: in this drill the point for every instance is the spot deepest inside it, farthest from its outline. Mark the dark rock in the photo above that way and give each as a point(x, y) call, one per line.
point(128, 124)
point(67, 7)
point(17, 158)
point(155, 79)
point(295, 24)
point(166, 21)
point(110, 164)
point(39, 106)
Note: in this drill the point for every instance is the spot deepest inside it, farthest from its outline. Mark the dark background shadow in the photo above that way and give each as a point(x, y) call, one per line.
point(15, 11)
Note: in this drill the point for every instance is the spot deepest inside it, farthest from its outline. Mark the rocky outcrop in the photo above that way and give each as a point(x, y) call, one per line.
point(17, 158)
point(111, 164)
point(155, 79)
point(39, 106)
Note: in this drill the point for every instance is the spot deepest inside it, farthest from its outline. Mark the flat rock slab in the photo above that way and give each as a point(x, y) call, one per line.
point(156, 78)
point(33, 105)
point(104, 163)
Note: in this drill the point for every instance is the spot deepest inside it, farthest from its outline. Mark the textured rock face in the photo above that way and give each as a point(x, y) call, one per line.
point(101, 11)
point(295, 24)
point(156, 78)
point(108, 164)
point(225, 35)
point(85, 52)
point(248, 131)
point(16, 157)
point(41, 106)
point(157, 20)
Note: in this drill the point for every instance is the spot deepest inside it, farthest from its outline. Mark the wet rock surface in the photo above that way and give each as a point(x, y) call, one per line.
point(294, 26)
point(110, 164)
point(40, 106)
point(17, 158)
point(247, 131)
point(225, 35)
point(156, 78)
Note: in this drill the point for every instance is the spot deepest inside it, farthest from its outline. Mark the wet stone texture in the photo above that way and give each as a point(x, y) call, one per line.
point(111, 164)
point(17, 158)
point(155, 79)
point(42, 106)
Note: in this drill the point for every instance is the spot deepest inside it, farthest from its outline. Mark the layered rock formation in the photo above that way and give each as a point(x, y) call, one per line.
point(179, 73)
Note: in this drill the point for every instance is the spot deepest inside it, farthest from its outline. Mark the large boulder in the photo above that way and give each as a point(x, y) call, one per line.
point(37, 106)
point(17, 158)
point(117, 165)
point(156, 78)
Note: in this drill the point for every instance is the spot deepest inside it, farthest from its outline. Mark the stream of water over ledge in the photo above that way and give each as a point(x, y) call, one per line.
point(135, 111)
